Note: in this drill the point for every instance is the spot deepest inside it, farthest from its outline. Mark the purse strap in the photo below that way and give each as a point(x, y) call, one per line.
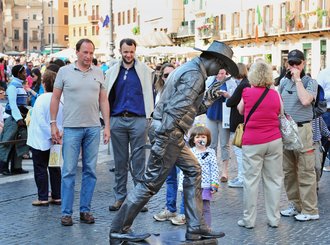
point(256, 105)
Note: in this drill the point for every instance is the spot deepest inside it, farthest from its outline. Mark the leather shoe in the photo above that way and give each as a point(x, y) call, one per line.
point(87, 218)
point(6, 172)
point(201, 233)
point(19, 171)
point(130, 236)
point(66, 221)
point(116, 206)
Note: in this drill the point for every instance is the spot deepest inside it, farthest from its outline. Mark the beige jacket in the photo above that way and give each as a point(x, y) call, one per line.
point(145, 74)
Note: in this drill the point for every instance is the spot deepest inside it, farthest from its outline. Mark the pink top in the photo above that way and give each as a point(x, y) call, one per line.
point(263, 125)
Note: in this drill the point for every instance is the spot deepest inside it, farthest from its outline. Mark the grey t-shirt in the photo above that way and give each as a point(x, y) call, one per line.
point(81, 95)
point(291, 102)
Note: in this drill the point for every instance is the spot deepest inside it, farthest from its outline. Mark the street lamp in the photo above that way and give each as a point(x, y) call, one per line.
point(51, 26)
point(27, 30)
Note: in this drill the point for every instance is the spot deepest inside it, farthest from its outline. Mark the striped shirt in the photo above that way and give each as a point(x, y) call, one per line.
point(319, 129)
point(291, 102)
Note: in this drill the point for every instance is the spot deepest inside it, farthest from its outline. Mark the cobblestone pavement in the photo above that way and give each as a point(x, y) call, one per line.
point(22, 223)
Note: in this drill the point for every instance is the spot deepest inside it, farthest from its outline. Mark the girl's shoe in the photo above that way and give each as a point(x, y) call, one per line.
point(55, 201)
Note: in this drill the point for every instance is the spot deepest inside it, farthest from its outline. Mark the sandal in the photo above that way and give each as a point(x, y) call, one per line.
point(40, 203)
point(55, 201)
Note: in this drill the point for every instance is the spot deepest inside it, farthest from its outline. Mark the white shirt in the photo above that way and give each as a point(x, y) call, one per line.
point(323, 79)
point(39, 130)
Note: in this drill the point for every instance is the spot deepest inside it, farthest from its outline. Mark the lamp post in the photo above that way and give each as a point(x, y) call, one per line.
point(111, 46)
point(51, 26)
point(27, 30)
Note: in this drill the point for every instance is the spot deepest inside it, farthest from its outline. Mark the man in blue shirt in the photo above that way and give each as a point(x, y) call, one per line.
point(130, 93)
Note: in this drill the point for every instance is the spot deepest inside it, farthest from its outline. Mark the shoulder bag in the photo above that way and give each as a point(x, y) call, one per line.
point(237, 140)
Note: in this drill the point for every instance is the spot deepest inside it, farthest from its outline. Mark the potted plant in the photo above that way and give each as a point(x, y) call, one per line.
point(321, 16)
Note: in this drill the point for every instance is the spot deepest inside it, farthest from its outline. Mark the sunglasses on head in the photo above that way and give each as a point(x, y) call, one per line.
point(21, 69)
point(165, 75)
point(293, 62)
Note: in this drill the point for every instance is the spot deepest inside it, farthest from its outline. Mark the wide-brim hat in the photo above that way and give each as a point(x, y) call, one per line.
point(225, 53)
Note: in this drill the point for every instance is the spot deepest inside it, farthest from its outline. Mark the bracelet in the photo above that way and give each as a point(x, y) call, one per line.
point(52, 121)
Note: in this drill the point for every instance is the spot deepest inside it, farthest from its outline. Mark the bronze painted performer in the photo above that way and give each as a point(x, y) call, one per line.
point(182, 100)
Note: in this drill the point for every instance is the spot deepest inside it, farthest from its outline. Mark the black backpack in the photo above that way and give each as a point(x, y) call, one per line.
point(320, 104)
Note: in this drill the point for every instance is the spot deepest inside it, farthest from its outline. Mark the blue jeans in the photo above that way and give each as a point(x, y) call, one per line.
point(171, 190)
point(88, 139)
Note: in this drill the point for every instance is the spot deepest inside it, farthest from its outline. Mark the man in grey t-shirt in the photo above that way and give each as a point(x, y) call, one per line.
point(298, 92)
point(84, 93)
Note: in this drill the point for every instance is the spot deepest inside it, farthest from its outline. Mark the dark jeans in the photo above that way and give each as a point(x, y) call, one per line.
point(40, 165)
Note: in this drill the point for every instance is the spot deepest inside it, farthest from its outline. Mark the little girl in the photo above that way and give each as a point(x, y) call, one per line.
point(199, 140)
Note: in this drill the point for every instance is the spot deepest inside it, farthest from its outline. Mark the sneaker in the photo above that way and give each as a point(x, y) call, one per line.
point(326, 169)
point(179, 219)
point(116, 206)
point(164, 215)
point(242, 224)
point(290, 211)
point(306, 217)
point(66, 221)
point(235, 183)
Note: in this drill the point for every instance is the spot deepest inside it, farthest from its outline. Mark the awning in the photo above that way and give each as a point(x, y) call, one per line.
point(153, 39)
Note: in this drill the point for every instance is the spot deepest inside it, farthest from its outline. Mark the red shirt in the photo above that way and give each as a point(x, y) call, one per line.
point(263, 125)
point(2, 72)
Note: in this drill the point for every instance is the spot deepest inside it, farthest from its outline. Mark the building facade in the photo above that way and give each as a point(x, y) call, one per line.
point(27, 24)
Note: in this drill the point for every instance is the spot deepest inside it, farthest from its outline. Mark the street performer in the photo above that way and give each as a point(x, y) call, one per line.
point(181, 101)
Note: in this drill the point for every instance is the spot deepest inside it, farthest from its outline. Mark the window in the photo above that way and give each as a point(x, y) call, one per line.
point(85, 10)
point(222, 22)
point(119, 18)
point(134, 15)
point(79, 31)
point(35, 48)
point(16, 34)
point(85, 31)
point(74, 32)
point(50, 20)
point(268, 18)
point(35, 35)
point(66, 38)
point(79, 9)
point(16, 16)
point(250, 21)
point(66, 4)
point(34, 16)
point(97, 11)
point(74, 10)
point(123, 18)
point(128, 16)
point(66, 20)
point(50, 38)
point(93, 30)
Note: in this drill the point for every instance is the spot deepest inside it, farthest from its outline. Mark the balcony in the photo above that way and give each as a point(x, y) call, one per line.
point(185, 31)
point(206, 33)
point(93, 18)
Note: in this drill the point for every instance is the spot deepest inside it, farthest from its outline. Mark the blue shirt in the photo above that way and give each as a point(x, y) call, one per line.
point(214, 112)
point(128, 93)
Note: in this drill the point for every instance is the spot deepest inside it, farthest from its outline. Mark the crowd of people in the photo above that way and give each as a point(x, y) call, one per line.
point(139, 106)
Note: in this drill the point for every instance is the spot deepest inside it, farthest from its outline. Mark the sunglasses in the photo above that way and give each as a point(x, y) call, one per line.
point(165, 75)
point(293, 62)
point(21, 69)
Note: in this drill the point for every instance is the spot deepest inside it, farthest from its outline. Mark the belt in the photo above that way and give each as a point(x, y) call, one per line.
point(301, 124)
point(127, 114)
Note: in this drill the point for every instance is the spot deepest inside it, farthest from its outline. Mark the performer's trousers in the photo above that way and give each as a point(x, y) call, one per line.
point(176, 152)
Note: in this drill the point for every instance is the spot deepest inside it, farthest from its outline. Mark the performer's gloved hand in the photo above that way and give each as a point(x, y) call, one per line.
point(211, 95)
point(158, 146)
point(21, 123)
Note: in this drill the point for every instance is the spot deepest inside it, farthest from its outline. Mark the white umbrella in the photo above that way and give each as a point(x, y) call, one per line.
point(68, 53)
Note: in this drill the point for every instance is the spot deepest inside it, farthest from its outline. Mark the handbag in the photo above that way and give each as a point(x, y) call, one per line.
point(55, 156)
point(238, 136)
point(289, 131)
